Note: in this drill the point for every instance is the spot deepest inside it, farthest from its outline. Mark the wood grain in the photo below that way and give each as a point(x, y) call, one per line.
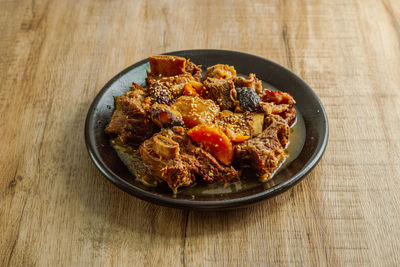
point(56, 209)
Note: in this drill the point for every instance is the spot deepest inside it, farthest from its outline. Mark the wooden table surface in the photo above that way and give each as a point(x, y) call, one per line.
point(56, 209)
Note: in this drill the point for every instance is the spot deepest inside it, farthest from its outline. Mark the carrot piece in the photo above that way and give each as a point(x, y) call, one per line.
point(214, 140)
point(193, 88)
point(189, 90)
point(234, 137)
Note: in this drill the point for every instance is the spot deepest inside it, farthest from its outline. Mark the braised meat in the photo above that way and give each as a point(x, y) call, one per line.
point(251, 82)
point(165, 90)
point(220, 91)
point(289, 115)
point(265, 153)
point(130, 129)
point(174, 159)
point(132, 103)
point(119, 125)
point(212, 171)
point(167, 65)
point(176, 169)
point(131, 120)
point(165, 147)
point(184, 129)
point(193, 69)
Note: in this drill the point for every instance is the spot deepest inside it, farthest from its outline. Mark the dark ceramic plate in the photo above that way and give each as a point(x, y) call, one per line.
point(211, 197)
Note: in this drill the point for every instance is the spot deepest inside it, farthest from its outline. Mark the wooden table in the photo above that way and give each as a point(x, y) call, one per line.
point(56, 209)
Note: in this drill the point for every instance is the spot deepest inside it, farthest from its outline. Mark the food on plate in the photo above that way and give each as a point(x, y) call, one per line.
point(183, 128)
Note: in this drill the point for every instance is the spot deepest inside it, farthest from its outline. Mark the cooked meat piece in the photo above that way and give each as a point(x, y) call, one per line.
point(272, 108)
point(244, 124)
point(286, 111)
point(165, 116)
point(118, 123)
point(265, 153)
point(165, 147)
point(220, 71)
point(251, 82)
point(142, 128)
point(153, 162)
point(212, 171)
point(131, 120)
point(248, 99)
point(177, 172)
point(130, 129)
point(195, 110)
point(180, 169)
point(208, 167)
point(179, 135)
point(132, 103)
point(180, 172)
point(289, 115)
point(221, 91)
point(277, 97)
point(164, 65)
point(193, 69)
point(167, 65)
point(274, 124)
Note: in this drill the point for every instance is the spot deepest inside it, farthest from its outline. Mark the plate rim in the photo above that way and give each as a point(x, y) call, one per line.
point(204, 204)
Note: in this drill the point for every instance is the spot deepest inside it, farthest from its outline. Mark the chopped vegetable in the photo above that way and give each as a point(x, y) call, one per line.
point(214, 140)
point(195, 110)
point(257, 124)
point(220, 71)
point(165, 116)
point(248, 99)
point(234, 137)
point(193, 88)
point(242, 124)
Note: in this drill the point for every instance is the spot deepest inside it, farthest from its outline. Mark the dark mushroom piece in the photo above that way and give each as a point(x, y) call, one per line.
point(248, 99)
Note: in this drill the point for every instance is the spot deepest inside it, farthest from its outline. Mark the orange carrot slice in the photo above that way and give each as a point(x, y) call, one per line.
point(214, 140)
